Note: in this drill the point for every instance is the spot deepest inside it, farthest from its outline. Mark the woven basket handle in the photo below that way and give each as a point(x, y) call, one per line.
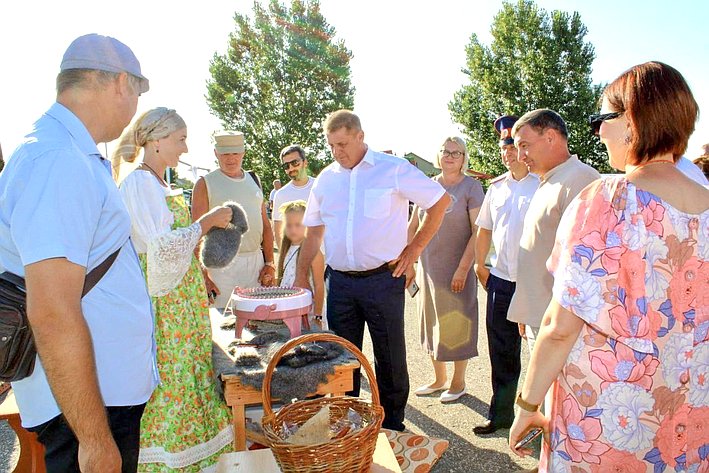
point(315, 337)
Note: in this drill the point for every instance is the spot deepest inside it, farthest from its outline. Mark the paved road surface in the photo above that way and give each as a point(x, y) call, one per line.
point(467, 452)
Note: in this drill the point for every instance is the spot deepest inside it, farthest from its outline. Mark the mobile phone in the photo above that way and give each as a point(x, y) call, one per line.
point(413, 288)
point(531, 435)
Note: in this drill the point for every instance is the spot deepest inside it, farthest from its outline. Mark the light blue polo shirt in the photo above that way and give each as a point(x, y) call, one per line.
point(59, 200)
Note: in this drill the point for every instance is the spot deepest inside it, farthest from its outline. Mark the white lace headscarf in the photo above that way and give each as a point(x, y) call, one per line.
point(153, 125)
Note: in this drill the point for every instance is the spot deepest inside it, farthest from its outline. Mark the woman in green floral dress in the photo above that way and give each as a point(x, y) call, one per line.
point(186, 425)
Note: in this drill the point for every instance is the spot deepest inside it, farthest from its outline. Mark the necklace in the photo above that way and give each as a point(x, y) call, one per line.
point(648, 163)
point(162, 181)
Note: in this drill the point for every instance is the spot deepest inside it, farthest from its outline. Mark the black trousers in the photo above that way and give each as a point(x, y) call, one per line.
point(504, 344)
point(377, 300)
point(62, 448)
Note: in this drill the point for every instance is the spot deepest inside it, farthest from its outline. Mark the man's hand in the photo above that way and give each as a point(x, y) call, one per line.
point(483, 274)
point(267, 276)
point(102, 457)
point(522, 330)
point(405, 261)
point(459, 278)
point(410, 275)
point(302, 283)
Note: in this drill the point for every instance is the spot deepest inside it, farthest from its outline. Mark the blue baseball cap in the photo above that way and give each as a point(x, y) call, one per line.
point(504, 125)
point(103, 53)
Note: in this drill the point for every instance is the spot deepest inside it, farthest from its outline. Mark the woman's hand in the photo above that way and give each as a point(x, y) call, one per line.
point(212, 289)
point(217, 217)
point(459, 278)
point(524, 422)
point(267, 276)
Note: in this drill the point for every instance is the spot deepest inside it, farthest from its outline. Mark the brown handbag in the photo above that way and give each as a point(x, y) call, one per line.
point(17, 350)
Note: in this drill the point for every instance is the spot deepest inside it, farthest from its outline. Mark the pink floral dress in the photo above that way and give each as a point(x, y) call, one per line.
point(633, 395)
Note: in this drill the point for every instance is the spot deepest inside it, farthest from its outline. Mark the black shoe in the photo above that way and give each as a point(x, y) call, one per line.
point(489, 428)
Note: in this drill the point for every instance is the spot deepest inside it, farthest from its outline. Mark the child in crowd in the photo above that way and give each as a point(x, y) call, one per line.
point(293, 236)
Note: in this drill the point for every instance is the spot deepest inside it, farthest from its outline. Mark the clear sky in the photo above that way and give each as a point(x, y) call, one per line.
point(406, 65)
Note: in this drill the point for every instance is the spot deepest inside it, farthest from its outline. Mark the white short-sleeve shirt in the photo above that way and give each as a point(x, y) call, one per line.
point(365, 209)
point(502, 212)
point(289, 193)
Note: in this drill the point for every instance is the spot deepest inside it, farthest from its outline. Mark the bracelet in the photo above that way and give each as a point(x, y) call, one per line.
point(525, 405)
point(270, 264)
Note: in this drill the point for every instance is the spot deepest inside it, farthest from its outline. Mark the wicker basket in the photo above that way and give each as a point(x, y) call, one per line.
point(351, 453)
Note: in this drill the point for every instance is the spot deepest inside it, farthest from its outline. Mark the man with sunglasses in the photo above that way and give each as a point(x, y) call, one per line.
point(296, 166)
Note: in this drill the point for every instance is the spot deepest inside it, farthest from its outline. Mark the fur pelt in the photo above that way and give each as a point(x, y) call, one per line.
point(299, 371)
point(221, 244)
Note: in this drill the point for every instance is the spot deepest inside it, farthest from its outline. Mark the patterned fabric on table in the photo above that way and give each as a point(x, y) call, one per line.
point(415, 453)
point(186, 425)
point(633, 395)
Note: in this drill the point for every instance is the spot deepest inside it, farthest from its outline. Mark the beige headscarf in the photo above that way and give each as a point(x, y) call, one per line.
point(153, 125)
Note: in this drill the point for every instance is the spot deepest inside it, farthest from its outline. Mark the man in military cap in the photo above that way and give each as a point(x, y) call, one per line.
point(500, 222)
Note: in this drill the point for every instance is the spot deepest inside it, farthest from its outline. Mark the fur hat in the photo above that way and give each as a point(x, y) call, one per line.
point(221, 244)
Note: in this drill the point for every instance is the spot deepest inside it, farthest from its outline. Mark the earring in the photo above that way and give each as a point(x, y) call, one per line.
point(157, 151)
point(628, 139)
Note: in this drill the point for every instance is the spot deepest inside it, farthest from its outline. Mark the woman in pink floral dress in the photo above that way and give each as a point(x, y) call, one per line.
point(624, 344)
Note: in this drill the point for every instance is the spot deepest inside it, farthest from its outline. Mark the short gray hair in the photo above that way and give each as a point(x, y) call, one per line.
point(87, 78)
point(541, 120)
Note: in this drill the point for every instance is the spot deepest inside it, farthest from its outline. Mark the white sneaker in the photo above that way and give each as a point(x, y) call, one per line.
point(448, 396)
point(424, 390)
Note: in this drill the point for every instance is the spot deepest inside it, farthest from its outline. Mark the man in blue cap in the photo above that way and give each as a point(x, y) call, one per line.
point(62, 217)
point(500, 221)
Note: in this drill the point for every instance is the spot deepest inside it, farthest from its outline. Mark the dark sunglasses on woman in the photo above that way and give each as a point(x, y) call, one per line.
point(596, 119)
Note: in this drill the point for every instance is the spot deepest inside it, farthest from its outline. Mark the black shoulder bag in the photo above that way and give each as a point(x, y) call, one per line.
point(17, 350)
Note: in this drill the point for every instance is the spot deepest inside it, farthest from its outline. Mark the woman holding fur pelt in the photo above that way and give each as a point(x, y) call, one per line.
point(186, 425)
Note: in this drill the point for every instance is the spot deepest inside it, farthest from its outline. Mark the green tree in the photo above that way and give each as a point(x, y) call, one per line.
point(284, 71)
point(536, 60)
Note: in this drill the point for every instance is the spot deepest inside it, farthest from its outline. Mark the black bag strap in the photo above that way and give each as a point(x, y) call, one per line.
point(14, 279)
point(255, 178)
point(95, 275)
point(91, 279)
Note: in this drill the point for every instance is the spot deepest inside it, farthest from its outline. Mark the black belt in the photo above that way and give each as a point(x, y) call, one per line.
point(364, 274)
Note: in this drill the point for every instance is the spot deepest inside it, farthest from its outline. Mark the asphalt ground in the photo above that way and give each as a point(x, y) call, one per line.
point(467, 453)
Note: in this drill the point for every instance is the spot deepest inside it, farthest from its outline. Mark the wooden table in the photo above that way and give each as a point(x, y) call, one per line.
point(239, 395)
point(31, 451)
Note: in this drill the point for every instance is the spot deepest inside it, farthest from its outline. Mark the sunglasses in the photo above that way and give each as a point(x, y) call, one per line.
point(287, 165)
point(596, 119)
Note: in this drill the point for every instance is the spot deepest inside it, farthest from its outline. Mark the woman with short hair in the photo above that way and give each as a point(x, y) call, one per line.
point(448, 298)
point(624, 344)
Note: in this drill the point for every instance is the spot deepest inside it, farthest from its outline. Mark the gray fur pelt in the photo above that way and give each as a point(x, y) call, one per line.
point(221, 244)
point(298, 373)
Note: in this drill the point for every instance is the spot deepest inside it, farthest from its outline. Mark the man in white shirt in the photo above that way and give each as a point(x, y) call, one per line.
point(276, 187)
point(362, 199)
point(296, 166)
point(692, 171)
point(500, 222)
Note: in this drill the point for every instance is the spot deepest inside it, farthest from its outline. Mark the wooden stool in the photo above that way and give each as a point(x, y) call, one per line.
point(31, 451)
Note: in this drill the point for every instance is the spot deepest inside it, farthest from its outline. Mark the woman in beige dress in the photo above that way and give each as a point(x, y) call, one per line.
point(447, 302)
